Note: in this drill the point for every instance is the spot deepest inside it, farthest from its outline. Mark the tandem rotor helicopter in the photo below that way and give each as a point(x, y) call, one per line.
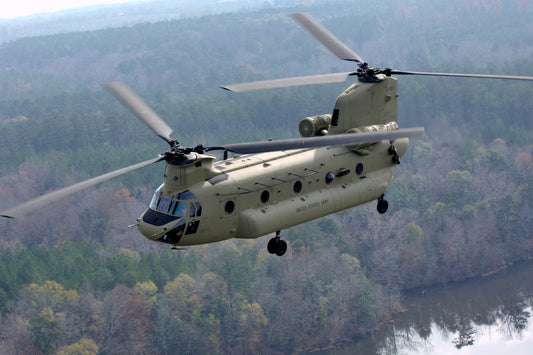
point(343, 160)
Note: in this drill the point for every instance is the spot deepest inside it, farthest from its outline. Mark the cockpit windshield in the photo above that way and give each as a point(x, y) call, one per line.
point(177, 208)
point(178, 205)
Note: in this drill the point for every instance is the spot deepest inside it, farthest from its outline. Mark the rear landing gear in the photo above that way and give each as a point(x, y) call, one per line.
point(277, 245)
point(383, 205)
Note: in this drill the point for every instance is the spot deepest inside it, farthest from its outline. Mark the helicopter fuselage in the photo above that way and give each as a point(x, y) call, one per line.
point(254, 195)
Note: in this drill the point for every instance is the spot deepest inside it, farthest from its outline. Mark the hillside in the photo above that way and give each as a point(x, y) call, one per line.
point(74, 275)
point(123, 14)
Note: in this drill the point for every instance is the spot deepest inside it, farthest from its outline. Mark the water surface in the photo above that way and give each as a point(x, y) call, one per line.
point(490, 315)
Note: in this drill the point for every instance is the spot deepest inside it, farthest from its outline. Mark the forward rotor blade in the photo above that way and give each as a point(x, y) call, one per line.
point(316, 142)
point(483, 76)
point(141, 109)
point(286, 82)
point(39, 202)
point(326, 38)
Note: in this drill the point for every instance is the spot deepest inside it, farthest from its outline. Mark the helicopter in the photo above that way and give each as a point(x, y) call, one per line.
point(342, 160)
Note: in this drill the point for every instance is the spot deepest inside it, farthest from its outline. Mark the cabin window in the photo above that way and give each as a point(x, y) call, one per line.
point(229, 207)
point(265, 196)
point(329, 178)
point(359, 169)
point(297, 187)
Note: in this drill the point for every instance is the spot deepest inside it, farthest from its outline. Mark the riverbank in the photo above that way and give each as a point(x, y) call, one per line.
point(494, 310)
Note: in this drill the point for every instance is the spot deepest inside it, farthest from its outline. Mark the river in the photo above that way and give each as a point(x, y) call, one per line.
point(490, 315)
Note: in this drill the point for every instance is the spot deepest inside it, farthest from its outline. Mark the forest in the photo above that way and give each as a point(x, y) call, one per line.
point(75, 279)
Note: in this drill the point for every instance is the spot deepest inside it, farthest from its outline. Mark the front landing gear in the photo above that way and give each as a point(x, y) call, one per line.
point(277, 245)
point(383, 205)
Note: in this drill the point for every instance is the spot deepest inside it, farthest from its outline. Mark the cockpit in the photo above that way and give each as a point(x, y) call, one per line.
point(177, 205)
point(183, 208)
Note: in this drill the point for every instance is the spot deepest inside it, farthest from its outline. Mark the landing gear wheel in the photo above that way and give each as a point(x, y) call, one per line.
point(277, 245)
point(272, 246)
point(282, 247)
point(383, 205)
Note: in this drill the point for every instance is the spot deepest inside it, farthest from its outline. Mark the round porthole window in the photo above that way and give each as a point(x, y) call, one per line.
point(329, 177)
point(359, 169)
point(297, 187)
point(229, 207)
point(265, 196)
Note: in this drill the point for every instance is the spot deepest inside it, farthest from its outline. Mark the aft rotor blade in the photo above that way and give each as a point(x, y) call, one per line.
point(316, 142)
point(141, 109)
point(326, 38)
point(286, 82)
point(39, 202)
point(483, 76)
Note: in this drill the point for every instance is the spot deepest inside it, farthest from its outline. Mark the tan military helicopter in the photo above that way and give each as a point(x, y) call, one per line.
point(344, 159)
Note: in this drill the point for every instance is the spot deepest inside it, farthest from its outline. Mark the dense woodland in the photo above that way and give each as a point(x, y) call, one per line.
point(75, 278)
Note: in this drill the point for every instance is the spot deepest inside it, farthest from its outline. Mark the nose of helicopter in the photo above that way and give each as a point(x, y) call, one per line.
point(160, 227)
point(149, 227)
point(149, 230)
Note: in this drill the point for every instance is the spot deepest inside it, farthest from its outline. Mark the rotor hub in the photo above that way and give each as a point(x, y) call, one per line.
point(368, 74)
point(179, 157)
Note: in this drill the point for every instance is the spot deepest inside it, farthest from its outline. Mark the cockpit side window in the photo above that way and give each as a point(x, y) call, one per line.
point(198, 209)
point(156, 199)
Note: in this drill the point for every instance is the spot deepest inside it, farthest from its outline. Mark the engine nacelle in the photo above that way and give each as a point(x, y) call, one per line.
point(315, 125)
